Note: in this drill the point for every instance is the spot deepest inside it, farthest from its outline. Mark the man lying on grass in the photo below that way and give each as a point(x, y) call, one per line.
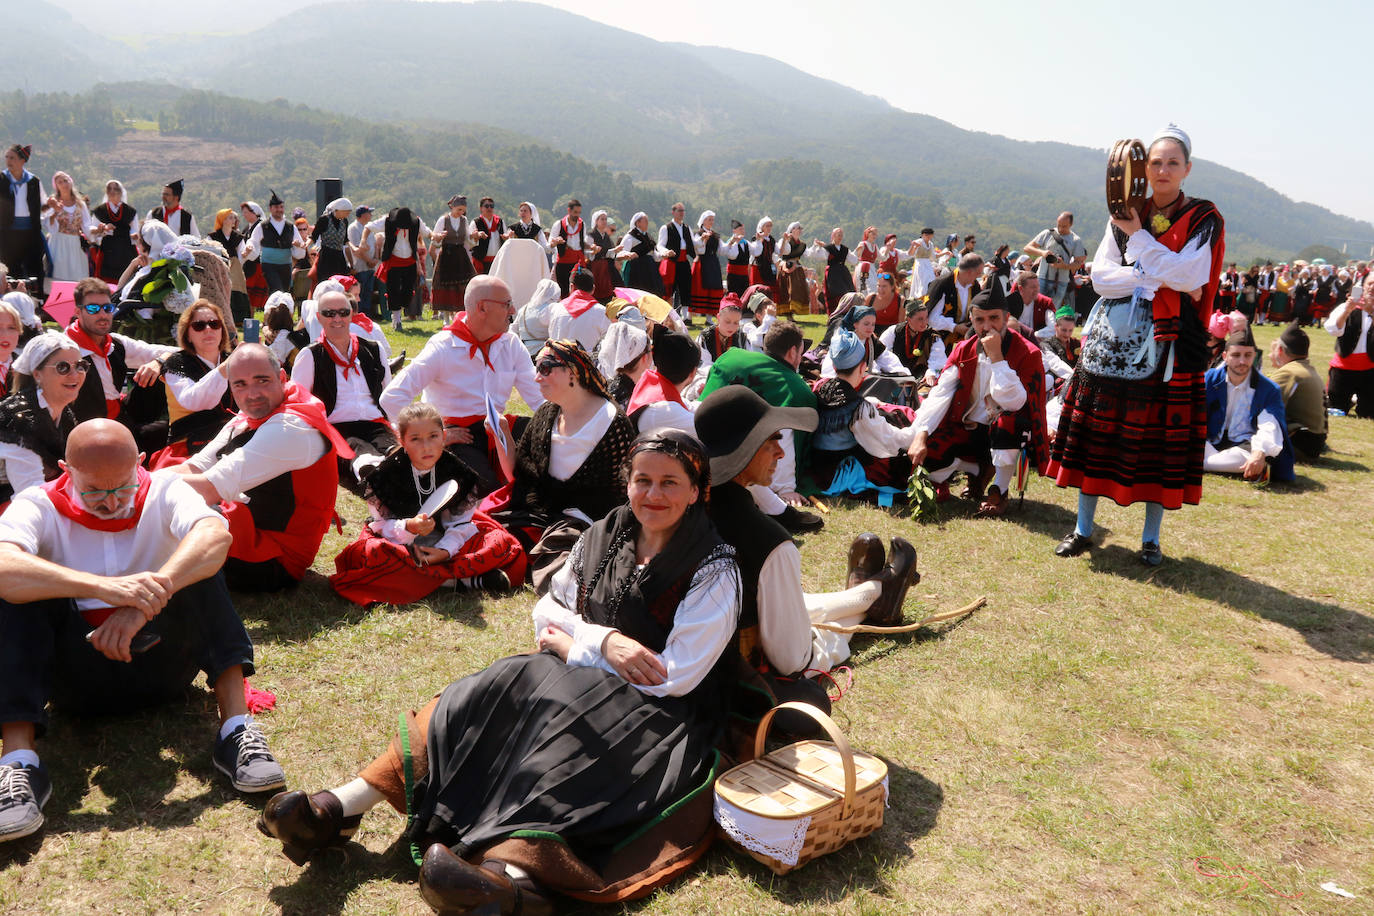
point(110, 599)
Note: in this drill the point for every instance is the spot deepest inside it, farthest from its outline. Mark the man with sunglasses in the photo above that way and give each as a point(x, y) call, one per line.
point(347, 373)
point(110, 355)
point(490, 232)
point(475, 360)
point(111, 599)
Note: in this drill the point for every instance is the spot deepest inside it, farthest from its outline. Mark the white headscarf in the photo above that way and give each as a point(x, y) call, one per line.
point(1172, 131)
point(123, 194)
point(622, 345)
point(704, 216)
point(793, 225)
point(763, 222)
point(634, 220)
point(598, 214)
point(256, 208)
point(156, 235)
point(23, 304)
point(37, 351)
point(340, 203)
point(534, 212)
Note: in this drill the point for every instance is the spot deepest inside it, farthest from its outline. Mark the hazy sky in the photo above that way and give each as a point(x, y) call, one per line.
point(1284, 96)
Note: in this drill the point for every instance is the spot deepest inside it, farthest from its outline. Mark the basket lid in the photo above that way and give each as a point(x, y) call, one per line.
point(797, 780)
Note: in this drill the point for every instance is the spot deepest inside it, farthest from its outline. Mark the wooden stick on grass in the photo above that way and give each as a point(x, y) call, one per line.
point(905, 628)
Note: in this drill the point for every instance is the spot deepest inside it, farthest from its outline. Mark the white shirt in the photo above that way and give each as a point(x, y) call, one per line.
point(176, 215)
point(136, 353)
point(667, 415)
point(682, 233)
point(819, 252)
point(21, 196)
point(942, 322)
point(587, 328)
point(877, 436)
point(1352, 313)
point(1184, 270)
point(283, 444)
point(485, 248)
point(199, 395)
point(996, 390)
point(170, 511)
point(353, 400)
point(355, 239)
point(568, 451)
point(703, 625)
point(934, 362)
point(451, 375)
point(571, 235)
point(1264, 434)
point(20, 467)
point(785, 633)
point(297, 245)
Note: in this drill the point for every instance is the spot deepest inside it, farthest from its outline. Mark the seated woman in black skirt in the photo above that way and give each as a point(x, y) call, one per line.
point(530, 775)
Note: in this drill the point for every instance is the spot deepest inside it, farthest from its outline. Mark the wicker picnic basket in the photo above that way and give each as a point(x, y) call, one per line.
point(803, 800)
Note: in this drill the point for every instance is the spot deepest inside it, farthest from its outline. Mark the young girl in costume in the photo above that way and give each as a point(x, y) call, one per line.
point(403, 554)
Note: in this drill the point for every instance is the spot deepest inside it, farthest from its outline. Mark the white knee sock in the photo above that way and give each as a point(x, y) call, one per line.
point(357, 797)
point(1002, 479)
point(846, 608)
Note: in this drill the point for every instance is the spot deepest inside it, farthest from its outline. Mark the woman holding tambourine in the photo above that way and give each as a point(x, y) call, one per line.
point(1134, 422)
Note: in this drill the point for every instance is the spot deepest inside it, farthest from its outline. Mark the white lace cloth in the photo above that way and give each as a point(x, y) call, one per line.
point(781, 839)
point(778, 839)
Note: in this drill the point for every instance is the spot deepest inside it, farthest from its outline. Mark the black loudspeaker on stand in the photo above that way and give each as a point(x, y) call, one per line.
point(326, 189)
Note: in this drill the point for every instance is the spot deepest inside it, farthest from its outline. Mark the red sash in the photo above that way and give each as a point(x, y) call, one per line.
point(568, 254)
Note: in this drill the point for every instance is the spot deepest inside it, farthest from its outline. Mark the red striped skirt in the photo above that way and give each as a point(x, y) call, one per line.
point(1137, 441)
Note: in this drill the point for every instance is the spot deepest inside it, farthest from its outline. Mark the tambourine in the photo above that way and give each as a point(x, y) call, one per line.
point(1127, 187)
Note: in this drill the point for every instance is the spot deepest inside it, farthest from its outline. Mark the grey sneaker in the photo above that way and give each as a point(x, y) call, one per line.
point(23, 793)
point(243, 757)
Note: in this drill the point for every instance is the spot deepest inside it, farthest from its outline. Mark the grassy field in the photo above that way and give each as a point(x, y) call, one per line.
point(1072, 748)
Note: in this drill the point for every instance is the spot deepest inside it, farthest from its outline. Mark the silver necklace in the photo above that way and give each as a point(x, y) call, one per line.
point(419, 483)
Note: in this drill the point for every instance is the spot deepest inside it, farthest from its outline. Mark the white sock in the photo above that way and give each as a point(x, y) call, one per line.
point(232, 723)
point(1002, 479)
point(20, 758)
point(357, 797)
point(846, 607)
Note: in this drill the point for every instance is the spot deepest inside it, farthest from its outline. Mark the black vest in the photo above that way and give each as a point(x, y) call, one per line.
point(197, 427)
point(1350, 337)
point(836, 256)
point(742, 258)
point(531, 233)
point(581, 234)
point(764, 262)
point(905, 346)
point(710, 341)
point(7, 204)
point(603, 241)
point(679, 241)
point(271, 504)
point(160, 214)
point(90, 401)
point(754, 536)
point(495, 231)
point(326, 386)
point(271, 238)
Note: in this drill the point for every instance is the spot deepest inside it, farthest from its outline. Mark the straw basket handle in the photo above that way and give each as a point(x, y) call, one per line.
point(832, 731)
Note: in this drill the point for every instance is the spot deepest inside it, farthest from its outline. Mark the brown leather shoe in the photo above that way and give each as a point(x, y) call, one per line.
point(866, 558)
point(452, 886)
point(994, 505)
point(978, 483)
point(306, 823)
point(899, 576)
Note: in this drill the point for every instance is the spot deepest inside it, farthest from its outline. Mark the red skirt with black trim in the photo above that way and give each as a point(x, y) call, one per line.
point(705, 300)
point(374, 569)
point(1133, 441)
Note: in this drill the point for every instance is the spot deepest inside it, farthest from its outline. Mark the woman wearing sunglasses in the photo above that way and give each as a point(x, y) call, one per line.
point(570, 458)
point(198, 400)
point(36, 420)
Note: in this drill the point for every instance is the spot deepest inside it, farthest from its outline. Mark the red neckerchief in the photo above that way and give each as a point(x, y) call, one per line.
point(61, 500)
point(363, 322)
point(579, 302)
point(459, 328)
point(167, 214)
point(301, 403)
point(86, 342)
point(652, 388)
point(352, 362)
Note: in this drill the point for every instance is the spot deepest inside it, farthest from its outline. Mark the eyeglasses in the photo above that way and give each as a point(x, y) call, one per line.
point(91, 497)
point(507, 303)
point(546, 366)
point(488, 206)
point(213, 324)
point(94, 309)
point(80, 367)
point(335, 313)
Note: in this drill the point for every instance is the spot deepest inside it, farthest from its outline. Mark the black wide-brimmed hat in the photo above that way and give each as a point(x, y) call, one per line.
point(733, 423)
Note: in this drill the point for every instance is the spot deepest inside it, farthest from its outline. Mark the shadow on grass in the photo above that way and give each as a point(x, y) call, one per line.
point(323, 887)
point(312, 608)
point(135, 761)
point(1336, 631)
